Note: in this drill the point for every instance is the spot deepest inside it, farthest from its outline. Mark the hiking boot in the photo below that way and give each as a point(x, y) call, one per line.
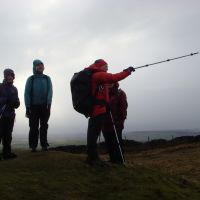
point(44, 149)
point(33, 150)
point(9, 156)
point(117, 162)
point(96, 163)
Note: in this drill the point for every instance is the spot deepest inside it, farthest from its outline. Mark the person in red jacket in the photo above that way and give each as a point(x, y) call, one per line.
point(118, 108)
point(100, 90)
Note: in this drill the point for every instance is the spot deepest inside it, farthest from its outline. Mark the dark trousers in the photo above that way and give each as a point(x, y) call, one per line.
point(38, 123)
point(113, 146)
point(94, 129)
point(6, 128)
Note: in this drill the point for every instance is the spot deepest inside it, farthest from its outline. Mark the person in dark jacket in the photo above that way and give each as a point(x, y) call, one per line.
point(118, 108)
point(9, 101)
point(38, 98)
point(100, 79)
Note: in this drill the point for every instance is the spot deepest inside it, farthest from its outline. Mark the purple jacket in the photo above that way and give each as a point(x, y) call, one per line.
point(8, 97)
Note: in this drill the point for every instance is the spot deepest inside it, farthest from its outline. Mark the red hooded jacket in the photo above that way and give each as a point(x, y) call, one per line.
point(101, 77)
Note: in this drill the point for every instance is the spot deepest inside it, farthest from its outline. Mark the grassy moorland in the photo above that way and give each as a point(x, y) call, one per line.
point(182, 161)
point(161, 174)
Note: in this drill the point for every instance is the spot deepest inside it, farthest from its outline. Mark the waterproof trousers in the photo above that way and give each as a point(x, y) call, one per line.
point(38, 123)
point(94, 129)
point(6, 128)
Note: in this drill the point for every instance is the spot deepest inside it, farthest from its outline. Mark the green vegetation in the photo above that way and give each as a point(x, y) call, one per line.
point(158, 174)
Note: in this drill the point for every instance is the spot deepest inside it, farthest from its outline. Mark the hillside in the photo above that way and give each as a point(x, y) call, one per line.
point(162, 173)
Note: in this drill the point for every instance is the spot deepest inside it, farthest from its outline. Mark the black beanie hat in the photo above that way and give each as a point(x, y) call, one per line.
point(8, 72)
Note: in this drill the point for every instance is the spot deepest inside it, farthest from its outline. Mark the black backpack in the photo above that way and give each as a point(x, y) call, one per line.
point(81, 90)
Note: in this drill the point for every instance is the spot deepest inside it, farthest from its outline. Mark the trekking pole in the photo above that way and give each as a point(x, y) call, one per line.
point(2, 110)
point(191, 54)
point(99, 138)
point(120, 149)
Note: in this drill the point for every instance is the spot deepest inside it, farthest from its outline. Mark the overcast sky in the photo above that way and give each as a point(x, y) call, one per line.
point(68, 35)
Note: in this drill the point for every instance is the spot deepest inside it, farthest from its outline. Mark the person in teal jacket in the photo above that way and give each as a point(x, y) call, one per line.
point(38, 97)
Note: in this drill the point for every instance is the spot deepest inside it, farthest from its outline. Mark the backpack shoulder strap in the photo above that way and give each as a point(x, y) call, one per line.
point(31, 93)
point(91, 72)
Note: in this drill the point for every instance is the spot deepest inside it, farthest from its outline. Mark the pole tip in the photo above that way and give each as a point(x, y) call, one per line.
point(194, 53)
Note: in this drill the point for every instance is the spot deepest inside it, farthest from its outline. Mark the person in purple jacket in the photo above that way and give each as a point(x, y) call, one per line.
point(9, 101)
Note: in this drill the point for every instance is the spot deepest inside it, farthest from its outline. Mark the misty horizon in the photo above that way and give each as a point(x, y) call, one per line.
point(21, 141)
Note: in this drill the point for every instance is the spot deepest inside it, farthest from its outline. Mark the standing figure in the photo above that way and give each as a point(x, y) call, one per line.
point(100, 79)
point(9, 101)
point(38, 98)
point(118, 108)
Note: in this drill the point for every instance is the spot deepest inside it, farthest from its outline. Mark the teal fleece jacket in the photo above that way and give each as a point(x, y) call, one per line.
point(38, 89)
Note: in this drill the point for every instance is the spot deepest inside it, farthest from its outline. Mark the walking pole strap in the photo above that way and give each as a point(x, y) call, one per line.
point(191, 54)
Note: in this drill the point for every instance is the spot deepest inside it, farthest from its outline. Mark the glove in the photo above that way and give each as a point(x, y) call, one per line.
point(16, 104)
point(28, 112)
point(130, 69)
